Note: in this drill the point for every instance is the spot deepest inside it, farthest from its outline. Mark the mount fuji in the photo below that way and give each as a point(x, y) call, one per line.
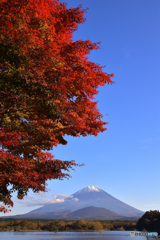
point(91, 196)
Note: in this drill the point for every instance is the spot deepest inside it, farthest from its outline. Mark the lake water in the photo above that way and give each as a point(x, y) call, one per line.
point(108, 235)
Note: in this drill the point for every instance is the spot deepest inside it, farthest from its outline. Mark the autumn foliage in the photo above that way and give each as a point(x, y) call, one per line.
point(47, 87)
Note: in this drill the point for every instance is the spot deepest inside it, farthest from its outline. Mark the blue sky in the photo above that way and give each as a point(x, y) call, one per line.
point(124, 160)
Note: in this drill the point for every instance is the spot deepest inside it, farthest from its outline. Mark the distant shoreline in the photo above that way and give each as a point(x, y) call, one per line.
point(70, 231)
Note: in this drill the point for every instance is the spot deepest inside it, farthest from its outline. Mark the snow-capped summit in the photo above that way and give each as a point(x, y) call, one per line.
point(93, 188)
point(89, 189)
point(89, 192)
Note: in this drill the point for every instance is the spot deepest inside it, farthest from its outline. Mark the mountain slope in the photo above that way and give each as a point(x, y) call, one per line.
point(83, 213)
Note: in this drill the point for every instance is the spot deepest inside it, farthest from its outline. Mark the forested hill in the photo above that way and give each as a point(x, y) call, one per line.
point(150, 221)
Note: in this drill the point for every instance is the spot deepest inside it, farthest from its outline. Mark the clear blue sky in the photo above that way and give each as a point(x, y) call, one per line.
point(124, 160)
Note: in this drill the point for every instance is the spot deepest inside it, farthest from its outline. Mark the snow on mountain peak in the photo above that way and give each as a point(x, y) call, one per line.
point(86, 190)
point(89, 189)
point(93, 188)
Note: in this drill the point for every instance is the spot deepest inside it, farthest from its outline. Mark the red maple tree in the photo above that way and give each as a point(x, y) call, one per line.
point(47, 89)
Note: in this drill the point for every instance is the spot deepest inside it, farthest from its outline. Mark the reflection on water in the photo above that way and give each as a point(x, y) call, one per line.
point(108, 235)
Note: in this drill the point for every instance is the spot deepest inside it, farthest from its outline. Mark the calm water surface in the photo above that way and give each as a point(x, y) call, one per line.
point(108, 235)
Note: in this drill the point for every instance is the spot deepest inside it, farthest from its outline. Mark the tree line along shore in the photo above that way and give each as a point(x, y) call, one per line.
point(65, 225)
